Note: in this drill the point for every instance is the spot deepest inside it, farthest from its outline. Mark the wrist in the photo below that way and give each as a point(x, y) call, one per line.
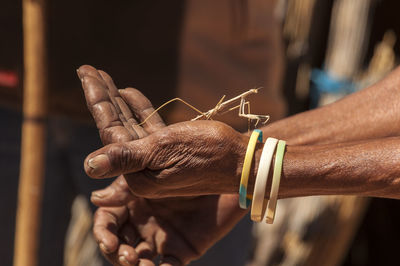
point(296, 179)
point(306, 171)
point(246, 164)
point(254, 169)
point(298, 173)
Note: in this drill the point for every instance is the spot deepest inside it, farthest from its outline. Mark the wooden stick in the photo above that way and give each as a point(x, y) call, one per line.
point(32, 167)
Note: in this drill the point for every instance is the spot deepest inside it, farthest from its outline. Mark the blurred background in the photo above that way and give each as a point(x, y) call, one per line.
point(304, 53)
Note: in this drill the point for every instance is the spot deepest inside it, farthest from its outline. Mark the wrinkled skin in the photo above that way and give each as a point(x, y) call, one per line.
point(160, 164)
point(130, 229)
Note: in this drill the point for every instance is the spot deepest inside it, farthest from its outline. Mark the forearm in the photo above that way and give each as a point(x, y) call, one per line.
point(373, 112)
point(366, 168)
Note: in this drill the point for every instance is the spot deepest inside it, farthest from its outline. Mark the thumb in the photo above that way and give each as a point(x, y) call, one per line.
point(117, 159)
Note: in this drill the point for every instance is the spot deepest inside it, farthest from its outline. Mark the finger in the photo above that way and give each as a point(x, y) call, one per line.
point(94, 87)
point(106, 223)
point(127, 255)
point(105, 115)
point(114, 95)
point(116, 259)
point(100, 106)
point(146, 249)
point(146, 262)
point(142, 108)
point(87, 70)
point(122, 108)
point(116, 194)
point(117, 159)
point(124, 253)
point(112, 89)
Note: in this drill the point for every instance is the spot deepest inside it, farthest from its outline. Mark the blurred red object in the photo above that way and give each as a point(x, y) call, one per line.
point(8, 79)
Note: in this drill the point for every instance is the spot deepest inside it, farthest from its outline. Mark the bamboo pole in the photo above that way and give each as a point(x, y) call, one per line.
point(32, 166)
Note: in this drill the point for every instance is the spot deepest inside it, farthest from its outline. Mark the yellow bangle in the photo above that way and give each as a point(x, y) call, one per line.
point(244, 201)
point(276, 178)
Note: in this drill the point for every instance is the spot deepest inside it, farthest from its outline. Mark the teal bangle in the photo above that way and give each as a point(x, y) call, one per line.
point(244, 200)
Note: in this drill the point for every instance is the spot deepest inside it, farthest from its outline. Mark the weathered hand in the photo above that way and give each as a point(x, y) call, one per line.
point(124, 218)
point(177, 229)
point(184, 159)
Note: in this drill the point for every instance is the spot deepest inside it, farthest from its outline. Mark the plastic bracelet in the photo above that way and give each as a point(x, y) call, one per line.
point(244, 201)
point(259, 203)
point(276, 179)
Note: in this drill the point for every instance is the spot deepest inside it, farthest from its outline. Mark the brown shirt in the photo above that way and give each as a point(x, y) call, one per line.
point(228, 47)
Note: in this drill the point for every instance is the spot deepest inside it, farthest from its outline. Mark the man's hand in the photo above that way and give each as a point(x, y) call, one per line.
point(127, 228)
point(177, 229)
point(184, 159)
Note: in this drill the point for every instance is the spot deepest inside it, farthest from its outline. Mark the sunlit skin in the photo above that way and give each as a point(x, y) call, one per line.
point(354, 152)
point(126, 226)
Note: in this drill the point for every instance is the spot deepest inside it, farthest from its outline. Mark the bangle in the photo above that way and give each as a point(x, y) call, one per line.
point(259, 203)
point(244, 201)
point(276, 178)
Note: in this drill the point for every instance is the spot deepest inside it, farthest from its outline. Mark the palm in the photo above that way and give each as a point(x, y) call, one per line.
point(179, 229)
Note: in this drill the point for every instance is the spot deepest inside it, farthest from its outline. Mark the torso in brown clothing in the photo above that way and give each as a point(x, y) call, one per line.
point(197, 50)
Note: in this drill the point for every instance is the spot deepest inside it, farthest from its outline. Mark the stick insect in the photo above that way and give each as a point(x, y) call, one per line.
point(223, 107)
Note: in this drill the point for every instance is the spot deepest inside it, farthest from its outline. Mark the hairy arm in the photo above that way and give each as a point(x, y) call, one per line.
point(366, 168)
point(365, 163)
point(373, 112)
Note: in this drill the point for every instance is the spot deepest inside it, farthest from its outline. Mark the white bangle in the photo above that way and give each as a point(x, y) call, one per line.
point(259, 203)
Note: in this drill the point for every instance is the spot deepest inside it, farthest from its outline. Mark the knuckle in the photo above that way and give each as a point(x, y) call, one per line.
point(126, 157)
point(121, 157)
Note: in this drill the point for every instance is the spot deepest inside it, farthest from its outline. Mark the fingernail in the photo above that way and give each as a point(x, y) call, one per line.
point(123, 260)
point(104, 248)
point(99, 165)
point(79, 74)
